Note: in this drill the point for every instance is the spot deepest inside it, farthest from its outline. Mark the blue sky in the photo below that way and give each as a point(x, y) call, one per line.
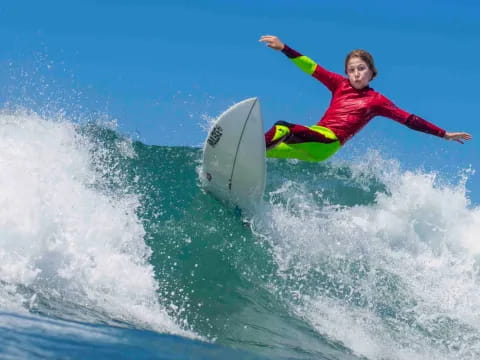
point(158, 66)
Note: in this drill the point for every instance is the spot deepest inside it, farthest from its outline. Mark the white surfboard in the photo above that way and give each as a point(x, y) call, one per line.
point(233, 168)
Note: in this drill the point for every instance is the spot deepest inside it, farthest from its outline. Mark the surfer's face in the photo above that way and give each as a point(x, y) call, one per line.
point(358, 73)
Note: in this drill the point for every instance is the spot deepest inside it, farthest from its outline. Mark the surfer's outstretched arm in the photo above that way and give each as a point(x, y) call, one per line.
point(330, 79)
point(390, 110)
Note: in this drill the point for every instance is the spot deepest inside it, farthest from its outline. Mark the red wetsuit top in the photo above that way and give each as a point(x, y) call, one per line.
point(351, 109)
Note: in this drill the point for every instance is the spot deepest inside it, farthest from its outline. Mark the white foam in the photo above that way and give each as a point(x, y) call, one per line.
point(61, 236)
point(421, 235)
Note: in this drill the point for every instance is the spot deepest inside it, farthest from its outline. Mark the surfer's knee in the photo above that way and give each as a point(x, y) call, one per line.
point(280, 132)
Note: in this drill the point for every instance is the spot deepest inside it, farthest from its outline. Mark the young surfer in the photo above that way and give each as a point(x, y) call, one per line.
point(353, 105)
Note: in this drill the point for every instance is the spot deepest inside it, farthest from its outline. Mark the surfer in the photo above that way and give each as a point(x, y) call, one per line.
point(354, 103)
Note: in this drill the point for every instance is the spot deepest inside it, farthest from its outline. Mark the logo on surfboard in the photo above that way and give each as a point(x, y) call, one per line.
point(215, 136)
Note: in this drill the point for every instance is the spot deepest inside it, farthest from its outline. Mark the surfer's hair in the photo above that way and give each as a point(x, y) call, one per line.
point(365, 56)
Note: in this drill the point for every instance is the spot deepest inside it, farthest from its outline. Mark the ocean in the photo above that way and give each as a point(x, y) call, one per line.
point(109, 248)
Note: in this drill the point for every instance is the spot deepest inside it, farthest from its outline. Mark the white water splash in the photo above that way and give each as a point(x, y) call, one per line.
point(63, 239)
point(395, 279)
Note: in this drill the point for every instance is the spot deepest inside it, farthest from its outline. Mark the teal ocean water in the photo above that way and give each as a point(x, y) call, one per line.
point(109, 248)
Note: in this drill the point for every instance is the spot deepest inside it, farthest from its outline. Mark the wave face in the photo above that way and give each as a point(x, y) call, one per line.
point(343, 260)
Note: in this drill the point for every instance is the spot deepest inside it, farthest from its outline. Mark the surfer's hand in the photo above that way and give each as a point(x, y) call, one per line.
point(272, 42)
point(457, 136)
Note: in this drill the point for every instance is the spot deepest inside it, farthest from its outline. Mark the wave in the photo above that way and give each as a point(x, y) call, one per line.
point(344, 259)
point(71, 246)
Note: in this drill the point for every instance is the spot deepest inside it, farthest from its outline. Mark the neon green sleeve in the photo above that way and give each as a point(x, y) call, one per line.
point(305, 64)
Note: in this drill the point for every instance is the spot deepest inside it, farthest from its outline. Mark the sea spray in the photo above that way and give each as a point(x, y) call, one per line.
point(394, 278)
point(71, 247)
